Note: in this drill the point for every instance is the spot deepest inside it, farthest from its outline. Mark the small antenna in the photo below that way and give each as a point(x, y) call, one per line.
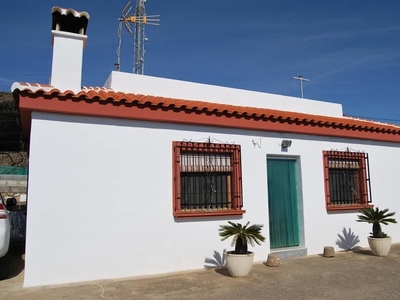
point(301, 79)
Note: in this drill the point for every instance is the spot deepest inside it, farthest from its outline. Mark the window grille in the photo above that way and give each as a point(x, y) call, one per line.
point(207, 178)
point(347, 181)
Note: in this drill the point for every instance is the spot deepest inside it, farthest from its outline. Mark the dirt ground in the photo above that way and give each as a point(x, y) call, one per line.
point(348, 275)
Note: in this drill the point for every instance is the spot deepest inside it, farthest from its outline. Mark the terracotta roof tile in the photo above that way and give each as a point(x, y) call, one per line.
point(101, 94)
point(70, 11)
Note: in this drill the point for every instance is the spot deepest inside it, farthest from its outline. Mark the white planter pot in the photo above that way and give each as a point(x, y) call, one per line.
point(380, 246)
point(239, 264)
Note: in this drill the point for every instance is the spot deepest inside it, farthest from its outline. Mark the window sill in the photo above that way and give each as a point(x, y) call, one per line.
point(203, 214)
point(347, 207)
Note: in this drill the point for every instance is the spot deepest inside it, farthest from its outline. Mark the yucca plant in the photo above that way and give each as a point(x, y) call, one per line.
point(376, 218)
point(242, 235)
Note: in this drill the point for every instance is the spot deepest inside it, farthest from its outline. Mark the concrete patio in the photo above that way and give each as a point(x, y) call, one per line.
point(349, 275)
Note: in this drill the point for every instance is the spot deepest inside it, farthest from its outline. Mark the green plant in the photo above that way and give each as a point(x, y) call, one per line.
point(376, 218)
point(242, 235)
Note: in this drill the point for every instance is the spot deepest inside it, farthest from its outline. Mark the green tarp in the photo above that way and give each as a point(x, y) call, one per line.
point(10, 170)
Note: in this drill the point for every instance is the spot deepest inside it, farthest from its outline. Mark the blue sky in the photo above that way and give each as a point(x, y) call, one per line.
point(350, 50)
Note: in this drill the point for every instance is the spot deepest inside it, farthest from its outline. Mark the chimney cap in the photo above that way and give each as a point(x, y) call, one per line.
point(69, 20)
point(70, 11)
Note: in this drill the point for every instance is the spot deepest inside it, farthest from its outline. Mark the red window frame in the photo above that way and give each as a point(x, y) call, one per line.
point(360, 162)
point(236, 178)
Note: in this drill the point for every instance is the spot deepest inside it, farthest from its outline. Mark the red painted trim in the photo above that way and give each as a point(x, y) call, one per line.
point(326, 177)
point(347, 207)
point(221, 213)
point(180, 115)
point(177, 177)
point(237, 176)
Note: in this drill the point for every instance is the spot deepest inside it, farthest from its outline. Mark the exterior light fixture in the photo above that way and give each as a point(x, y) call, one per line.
point(286, 144)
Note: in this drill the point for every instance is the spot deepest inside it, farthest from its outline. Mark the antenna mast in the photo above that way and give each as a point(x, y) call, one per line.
point(301, 79)
point(140, 19)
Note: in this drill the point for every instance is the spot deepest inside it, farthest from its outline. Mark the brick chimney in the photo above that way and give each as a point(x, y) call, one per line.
point(68, 38)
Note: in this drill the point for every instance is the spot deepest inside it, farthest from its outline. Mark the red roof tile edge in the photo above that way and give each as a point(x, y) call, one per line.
point(101, 95)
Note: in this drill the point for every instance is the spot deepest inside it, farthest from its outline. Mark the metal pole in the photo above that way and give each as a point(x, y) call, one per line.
point(301, 88)
point(301, 79)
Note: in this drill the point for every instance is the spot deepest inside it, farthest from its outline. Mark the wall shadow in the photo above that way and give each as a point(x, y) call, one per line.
point(348, 240)
point(217, 261)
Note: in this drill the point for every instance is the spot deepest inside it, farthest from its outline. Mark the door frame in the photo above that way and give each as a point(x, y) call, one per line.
point(299, 189)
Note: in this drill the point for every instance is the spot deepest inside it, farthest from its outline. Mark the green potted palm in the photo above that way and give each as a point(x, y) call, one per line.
point(379, 242)
point(240, 261)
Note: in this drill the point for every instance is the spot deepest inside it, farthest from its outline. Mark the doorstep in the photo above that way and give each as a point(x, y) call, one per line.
point(290, 252)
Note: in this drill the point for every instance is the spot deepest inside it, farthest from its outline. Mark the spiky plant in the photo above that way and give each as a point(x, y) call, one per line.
point(376, 218)
point(242, 235)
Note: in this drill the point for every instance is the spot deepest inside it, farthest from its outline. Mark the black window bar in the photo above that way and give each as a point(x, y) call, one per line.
point(205, 181)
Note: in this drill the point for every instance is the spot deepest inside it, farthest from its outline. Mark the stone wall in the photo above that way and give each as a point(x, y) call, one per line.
point(14, 186)
point(16, 159)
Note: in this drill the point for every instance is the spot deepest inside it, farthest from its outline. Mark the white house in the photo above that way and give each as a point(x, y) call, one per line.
point(134, 178)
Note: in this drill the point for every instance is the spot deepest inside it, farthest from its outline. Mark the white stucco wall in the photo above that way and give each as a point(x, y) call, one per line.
point(66, 70)
point(147, 85)
point(100, 197)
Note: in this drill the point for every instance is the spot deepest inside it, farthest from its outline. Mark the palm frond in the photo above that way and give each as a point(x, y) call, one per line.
point(242, 235)
point(376, 217)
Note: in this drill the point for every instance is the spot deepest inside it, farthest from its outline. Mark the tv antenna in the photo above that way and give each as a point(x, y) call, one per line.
point(301, 79)
point(140, 19)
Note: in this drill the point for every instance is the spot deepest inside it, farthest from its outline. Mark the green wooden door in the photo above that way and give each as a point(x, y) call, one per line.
point(283, 203)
